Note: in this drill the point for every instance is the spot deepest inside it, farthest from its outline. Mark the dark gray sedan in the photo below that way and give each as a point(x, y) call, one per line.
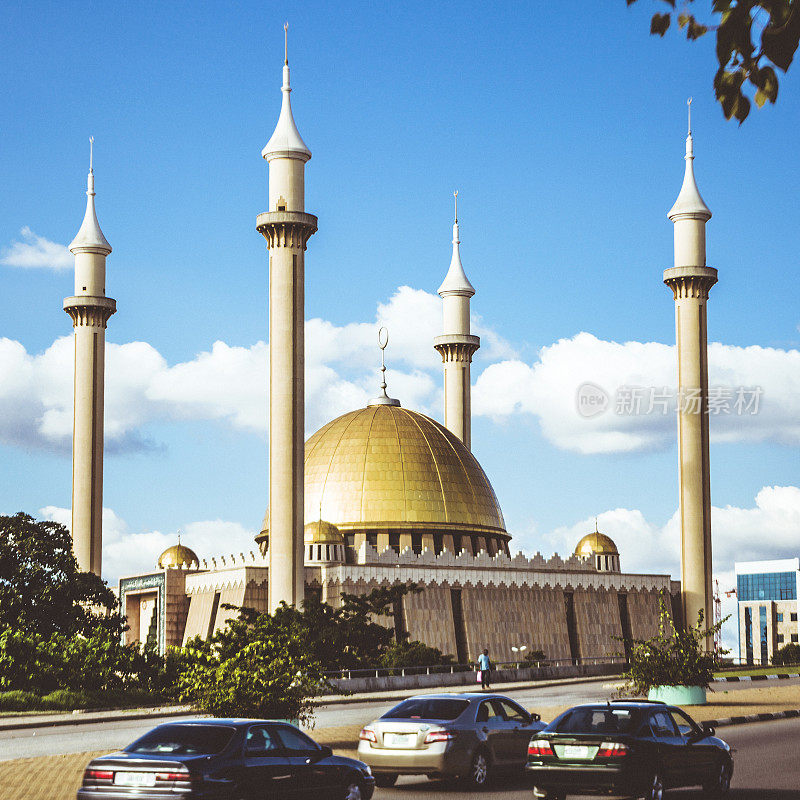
point(469, 735)
point(226, 759)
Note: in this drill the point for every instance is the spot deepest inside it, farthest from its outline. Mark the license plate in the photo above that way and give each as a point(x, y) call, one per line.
point(134, 779)
point(399, 739)
point(576, 751)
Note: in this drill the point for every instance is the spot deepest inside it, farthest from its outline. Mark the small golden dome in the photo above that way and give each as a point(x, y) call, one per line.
point(322, 532)
point(596, 543)
point(178, 556)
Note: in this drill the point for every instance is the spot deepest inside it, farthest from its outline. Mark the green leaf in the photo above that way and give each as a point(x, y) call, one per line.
point(766, 81)
point(659, 24)
point(780, 43)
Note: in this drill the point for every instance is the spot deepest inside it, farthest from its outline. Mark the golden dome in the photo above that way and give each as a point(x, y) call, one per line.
point(385, 467)
point(178, 556)
point(596, 543)
point(321, 532)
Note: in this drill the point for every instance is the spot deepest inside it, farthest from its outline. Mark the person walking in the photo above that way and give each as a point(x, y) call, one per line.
point(485, 668)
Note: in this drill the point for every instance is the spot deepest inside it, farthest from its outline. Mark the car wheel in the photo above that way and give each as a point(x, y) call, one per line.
point(478, 775)
point(655, 790)
point(385, 779)
point(543, 794)
point(721, 783)
point(353, 791)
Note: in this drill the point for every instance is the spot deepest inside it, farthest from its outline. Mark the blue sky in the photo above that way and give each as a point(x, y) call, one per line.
point(564, 134)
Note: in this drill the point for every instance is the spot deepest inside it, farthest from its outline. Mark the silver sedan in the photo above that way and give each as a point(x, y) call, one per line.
point(468, 735)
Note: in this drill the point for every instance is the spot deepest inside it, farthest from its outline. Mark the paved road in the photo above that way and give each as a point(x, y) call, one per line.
point(114, 734)
point(767, 767)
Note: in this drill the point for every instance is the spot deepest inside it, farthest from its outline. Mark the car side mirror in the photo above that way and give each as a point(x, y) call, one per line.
point(708, 730)
point(325, 752)
point(535, 717)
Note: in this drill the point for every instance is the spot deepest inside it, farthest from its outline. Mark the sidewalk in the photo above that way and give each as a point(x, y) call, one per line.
point(58, 777)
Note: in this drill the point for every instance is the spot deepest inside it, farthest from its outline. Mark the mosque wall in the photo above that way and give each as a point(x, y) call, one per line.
point(429, 618)
point(643, 609)
point(597, 619)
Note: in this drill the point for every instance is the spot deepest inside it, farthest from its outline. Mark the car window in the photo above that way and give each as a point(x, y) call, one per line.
point(488, 711)
point(598, 720)
point(260, 740)
point(296, 742)
point(662, 725)
point(438, 708)
point(686, 725)
point(185, 740)
point(513, 712)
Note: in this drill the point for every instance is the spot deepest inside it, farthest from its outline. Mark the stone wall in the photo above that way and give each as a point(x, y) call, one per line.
point(429, 618)
point(597, 620)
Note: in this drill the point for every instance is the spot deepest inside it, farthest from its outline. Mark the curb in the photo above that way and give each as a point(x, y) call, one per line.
point(738, 678)
point(722, 723)
point(90, 718)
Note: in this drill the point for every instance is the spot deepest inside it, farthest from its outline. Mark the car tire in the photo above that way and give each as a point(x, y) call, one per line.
point(385, 779)
point(543, 794)
point(353, 790)
point(655, 788)
point(477, 777)
point(721, 783)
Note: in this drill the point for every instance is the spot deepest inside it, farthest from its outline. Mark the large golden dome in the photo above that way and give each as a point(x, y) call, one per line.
point(387, 468)
point(596, 543)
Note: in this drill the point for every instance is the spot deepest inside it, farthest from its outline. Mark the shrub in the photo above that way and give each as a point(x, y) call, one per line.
point(413, 654)
point(17, 700)
point(672, 657)
point(788, 654)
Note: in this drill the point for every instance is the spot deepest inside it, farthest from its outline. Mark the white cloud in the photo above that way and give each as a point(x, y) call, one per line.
point(770, 529)
point(548, 390)
point(228, 384)
point(35, 252)
point(134, 553)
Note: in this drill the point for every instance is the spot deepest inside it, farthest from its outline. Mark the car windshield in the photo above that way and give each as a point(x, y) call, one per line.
point(184, 740)
point(439, 708)
point(597, 720)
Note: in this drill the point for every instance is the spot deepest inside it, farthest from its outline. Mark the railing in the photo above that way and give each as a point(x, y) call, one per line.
point(449, 669)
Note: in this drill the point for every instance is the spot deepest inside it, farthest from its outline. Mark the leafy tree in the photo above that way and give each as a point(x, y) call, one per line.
point(754, 38)
point(673, 657)
point(788, 654)
point(257, 666)
point(41, 587)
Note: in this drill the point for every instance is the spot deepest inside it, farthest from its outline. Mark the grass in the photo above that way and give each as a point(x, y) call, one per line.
point(790, 669)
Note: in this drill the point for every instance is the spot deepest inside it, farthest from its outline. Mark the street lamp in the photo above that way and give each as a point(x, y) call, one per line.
point(519, 649)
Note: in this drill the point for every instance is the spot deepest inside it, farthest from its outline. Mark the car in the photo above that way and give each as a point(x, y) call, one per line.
point(226, 759)
point(629, 748)
point(467, 735)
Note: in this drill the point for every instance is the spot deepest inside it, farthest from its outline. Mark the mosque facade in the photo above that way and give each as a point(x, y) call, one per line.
point(384, 495)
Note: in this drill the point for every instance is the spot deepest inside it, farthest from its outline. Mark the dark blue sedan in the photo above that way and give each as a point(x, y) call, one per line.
point(226, 759)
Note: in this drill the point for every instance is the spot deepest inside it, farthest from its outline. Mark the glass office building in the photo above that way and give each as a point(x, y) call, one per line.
point(767, 593)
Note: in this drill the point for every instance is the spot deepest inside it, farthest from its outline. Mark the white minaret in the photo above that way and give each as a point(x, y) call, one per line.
point(456, 345)
point(690, 280)
point(89, 310)
point(287, 229)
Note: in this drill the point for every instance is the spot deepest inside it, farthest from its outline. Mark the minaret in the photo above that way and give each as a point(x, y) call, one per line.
point(89, 310)
point(690, 280)
point(287, 229)
point(456, 345)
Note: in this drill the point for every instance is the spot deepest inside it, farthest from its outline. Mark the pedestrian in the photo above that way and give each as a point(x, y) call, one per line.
point(485, 669)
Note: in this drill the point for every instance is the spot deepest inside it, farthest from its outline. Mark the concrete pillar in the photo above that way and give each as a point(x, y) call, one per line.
point(89, 310)
point(287, 229)
point(690, 280)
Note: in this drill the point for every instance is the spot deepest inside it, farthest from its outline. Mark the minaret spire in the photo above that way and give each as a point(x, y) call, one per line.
point(286, 43)
point(457, 345)
point(90, 310)
point(691, 280)
point(384, 399)
point(287, 228)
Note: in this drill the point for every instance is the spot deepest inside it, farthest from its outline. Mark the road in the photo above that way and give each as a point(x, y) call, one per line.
point(766, 767)
point(46, 741)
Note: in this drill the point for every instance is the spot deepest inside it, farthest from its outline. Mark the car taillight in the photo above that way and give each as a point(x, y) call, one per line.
point(540, 747)
point(368, 735)
point(612, 750)
point(173, 776)
point(439, 735)
point(98, 775)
